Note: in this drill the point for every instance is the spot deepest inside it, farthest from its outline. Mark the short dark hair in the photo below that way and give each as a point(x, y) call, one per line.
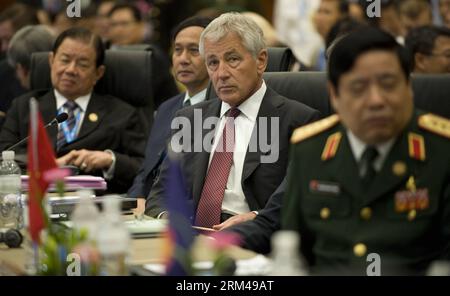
point(347, 50)
point(422, 39)
point(195, 21)
point(132, 8)
point(341, 27)
point(86, 36)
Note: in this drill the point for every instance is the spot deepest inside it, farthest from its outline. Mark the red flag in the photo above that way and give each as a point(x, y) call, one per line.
point(41, 158)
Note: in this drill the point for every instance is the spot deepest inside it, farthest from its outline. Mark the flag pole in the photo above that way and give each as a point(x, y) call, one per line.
point(34, 147)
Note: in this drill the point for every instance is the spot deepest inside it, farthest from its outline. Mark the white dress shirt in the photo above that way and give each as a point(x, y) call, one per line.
point(357, 146)
point(195, 99)
point(234, 199)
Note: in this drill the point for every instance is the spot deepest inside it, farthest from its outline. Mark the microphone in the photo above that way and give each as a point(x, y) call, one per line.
point(61, 117)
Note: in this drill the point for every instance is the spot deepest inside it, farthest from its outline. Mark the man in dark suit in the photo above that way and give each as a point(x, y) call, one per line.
point(226, 167)
point(189, 69)
point(368, 188)
point(256, 230)
point(102, 135)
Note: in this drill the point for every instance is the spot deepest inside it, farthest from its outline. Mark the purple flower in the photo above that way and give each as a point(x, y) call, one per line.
point(223, 239)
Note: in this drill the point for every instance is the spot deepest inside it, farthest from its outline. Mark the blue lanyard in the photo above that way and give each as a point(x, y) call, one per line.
point(70, 135)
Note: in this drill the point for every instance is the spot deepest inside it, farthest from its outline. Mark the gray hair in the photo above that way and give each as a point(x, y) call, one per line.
point(28, 40)
point(244, 27)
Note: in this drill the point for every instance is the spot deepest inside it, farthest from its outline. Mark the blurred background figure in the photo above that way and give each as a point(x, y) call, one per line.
point(270, 35)
point(13, 19)
point(293, 23)
point(415, 13)
point(389, 19)
point(24, 43)
point(444, 10)
point(127, 25)
point(89, 17)
point(430, 49)
point(102, 24)
point(355, 10)
point(327, 15)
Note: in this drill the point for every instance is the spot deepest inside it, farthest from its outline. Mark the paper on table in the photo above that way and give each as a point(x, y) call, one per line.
point(146, 226)
point(74, 183)
point(139, 227)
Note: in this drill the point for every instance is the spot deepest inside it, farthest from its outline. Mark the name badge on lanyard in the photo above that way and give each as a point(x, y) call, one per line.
point(70, 135)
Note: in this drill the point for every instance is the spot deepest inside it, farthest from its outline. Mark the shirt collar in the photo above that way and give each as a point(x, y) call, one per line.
point(195, 99)
point(82, 101)
point(359, 146)
point(249, 107)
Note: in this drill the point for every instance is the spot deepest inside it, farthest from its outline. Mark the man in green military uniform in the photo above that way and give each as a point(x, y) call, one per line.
point(375, 177)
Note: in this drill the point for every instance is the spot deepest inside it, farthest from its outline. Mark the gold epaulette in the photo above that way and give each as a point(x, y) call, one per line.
point(435, 124)
point(314, 128)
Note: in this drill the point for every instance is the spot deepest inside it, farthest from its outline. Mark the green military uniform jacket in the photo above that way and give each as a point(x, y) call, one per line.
point(404, 216)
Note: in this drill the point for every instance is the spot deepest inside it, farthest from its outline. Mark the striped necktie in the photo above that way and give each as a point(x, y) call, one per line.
point(210, 205)
point(72, 109)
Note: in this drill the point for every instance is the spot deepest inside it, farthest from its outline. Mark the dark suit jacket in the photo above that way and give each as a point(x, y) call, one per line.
point(10, 88)
point(257, 234)
point(259, 180)
point(156, 147)
point(118, 128)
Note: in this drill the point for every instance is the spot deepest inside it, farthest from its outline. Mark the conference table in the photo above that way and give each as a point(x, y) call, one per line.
point(143, 251)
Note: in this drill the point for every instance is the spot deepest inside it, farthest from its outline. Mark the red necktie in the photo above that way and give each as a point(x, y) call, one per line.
point(210, 205)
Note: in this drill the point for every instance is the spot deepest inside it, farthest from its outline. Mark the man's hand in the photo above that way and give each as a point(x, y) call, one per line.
point(66, 159)
point(140, 207)
point(235, 220)
point(88, 160)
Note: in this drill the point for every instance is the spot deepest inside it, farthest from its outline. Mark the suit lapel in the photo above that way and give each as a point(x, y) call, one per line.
point(47, 106)
point(202, 158)
point(95, 113)
point(386, 180)
point(268, 109)
point(158, 147)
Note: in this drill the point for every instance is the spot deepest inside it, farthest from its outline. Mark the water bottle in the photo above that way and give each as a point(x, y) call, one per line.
point(85, 215)
point(113, 240)
point(11, 214)
point(287, 260)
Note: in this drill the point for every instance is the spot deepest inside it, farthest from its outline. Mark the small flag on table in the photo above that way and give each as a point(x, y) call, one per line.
point(180, 232)
point(41, 158)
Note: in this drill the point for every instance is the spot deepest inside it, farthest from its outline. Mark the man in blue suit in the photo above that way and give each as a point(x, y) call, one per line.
point(189, 70)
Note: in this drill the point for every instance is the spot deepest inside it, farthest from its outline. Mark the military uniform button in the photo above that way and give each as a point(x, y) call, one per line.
point(366, 213)
point(325, 213)
point(360, 250)
point(412, 215)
